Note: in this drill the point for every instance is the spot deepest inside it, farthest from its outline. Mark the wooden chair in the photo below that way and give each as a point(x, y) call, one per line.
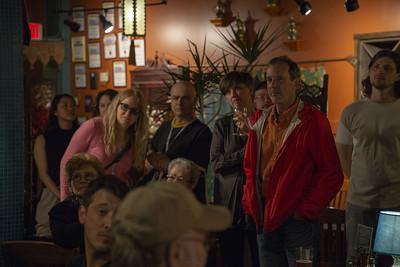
point(32, 253)
point(339, 202)
point(332, 238)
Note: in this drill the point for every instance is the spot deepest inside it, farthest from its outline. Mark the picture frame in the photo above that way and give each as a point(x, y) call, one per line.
point(80, 75)
point(140, 53)
point(94, 55)
point(78, 49)
point(109, 12)
point(119, 74)
point(78, 16)
point(93, 26)
point(110, 46)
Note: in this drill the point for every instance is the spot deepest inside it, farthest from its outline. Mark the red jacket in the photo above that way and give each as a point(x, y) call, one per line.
point(306, 175)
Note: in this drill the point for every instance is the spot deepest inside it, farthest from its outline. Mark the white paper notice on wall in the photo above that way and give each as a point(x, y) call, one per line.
point(104, 77)
point(109, 12)
point(94, 55)
point(140, 52)
point(124, 43)
point(93, 26)
point(119, 73)
point(78, 16)
point(80, 76)
point(110, 49)
point(119, 15)
point(78, 49)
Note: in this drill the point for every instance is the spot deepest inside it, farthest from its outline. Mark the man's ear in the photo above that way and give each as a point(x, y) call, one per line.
point(82, 214)
point(174, 255)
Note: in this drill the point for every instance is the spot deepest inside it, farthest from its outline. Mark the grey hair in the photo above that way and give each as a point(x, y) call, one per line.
point(189, 166)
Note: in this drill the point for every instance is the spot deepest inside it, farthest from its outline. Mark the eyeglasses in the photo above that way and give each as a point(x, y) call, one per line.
point(175, 178)
point(207, 242)
point(126, 108)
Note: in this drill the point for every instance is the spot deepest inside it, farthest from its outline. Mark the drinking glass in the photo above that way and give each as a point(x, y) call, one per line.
point(238, 115)
point(304, 257)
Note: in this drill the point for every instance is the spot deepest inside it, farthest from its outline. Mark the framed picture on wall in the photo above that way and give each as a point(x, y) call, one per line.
point(80, 76)
point(140, 52)
point(124, 43)
point(119, 15)
point(93, 26)
point(94, 55)
point(78, 49)
point(110, 43)
point(119, 74)
point(78, 16)
point(109, 12)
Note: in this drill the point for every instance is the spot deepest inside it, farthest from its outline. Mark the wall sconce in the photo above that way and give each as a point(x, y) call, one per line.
point(304, 7)
point(107, 25)
point(224, 13)
point(387, 237)
point(134, 18)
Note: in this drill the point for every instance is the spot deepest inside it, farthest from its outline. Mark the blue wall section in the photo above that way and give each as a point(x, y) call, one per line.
point(11, 121)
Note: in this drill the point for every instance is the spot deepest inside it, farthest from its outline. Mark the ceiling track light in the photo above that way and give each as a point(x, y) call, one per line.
point(304, 7)
point(351, 5)
point(107, 25)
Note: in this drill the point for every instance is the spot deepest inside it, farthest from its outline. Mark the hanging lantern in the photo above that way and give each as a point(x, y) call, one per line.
point(134, 17)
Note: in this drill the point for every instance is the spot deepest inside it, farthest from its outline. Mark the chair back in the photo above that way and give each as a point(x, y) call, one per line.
point(33, 253)
point(339, 202)
point(332, 238)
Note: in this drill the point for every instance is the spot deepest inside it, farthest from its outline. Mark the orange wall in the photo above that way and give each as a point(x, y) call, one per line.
point(327, 33)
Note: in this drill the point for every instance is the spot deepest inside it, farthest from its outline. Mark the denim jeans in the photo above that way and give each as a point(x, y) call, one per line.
point(277, 248)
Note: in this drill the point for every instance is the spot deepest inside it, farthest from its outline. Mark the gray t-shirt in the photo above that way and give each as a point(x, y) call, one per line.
point(374, 131)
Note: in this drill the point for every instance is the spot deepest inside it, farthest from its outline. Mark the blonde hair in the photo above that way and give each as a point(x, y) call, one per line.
point(138, 131)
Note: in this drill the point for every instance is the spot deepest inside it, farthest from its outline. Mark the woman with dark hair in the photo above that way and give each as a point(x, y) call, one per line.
point(118, 139)
point(48, 151)
point(226, 160)
point(103, 100)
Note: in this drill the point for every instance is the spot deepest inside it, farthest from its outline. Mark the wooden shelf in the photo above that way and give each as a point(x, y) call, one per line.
point(294, 45)
point(273, 10)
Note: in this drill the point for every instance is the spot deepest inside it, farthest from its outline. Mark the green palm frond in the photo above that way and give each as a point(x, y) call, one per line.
point(242, 46)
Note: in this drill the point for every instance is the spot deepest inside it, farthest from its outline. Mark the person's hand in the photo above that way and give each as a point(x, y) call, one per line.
point(158, 160)
point(241, 121)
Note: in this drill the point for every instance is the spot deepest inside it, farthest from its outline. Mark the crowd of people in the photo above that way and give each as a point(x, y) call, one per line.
point(125, 200)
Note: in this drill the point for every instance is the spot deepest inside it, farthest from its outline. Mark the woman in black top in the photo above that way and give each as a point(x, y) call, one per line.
point(48, 151)
point(226, 161)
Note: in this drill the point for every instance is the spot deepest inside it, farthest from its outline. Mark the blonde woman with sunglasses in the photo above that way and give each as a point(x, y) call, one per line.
point(118, 139)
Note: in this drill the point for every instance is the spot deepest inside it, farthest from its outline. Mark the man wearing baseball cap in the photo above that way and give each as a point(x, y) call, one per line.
point(162, 224)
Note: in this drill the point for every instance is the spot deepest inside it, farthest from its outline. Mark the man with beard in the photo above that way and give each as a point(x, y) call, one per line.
point(368, 142)
point(98, 205)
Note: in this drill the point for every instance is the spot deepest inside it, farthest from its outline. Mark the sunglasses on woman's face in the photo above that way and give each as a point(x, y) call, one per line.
point(126, 108)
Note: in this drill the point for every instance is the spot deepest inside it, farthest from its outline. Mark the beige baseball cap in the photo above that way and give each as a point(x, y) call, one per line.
point(161, 212)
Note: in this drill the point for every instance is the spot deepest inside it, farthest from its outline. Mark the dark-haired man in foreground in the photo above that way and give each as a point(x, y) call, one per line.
point(99, 203)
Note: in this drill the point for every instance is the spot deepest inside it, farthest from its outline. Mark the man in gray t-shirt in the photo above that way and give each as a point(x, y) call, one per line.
point(368, 143)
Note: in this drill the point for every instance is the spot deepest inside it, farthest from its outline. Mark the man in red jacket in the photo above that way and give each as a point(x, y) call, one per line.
point(292, 169)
